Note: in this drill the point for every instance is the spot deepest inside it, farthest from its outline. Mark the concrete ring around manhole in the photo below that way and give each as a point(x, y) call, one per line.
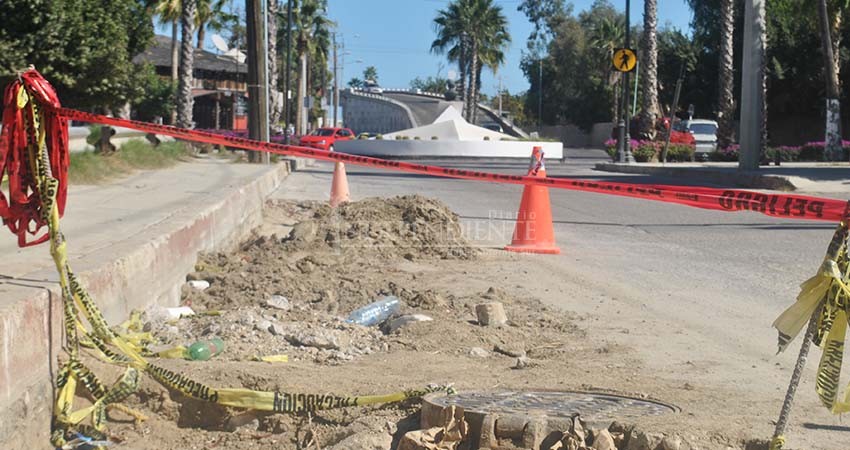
point(527, 417)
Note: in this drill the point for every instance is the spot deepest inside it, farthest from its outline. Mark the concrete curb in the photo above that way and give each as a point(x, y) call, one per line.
point(740, 179)
point(132, 275)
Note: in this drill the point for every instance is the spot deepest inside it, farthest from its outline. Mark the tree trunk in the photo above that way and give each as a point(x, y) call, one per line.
point(726, 78)
point(649, 68)
point(473, 92)
point(274, 100)
point(300, 114)
point(833, 109)
point(184, 88)
point(202, 32)
point(175, 63)
point(175, 50)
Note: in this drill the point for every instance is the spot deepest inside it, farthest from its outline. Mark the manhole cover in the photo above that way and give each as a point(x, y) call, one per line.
point(592, 406)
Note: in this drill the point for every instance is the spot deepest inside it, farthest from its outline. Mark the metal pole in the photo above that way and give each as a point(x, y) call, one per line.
point(796, 375)
point(673, 111)
point(627, 151)
point(500, 97)
point(336, 83)
point(286, 99)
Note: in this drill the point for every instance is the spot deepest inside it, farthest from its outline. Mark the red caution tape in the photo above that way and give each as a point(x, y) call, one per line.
point(775, 205)
point(21, 212)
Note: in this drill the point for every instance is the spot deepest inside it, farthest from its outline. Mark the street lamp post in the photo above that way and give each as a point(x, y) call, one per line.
point(623, 146)
point(286, 97)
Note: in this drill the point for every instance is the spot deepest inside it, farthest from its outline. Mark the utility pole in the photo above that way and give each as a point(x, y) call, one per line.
point(287, 97)
point(752, 87)
point(257, 100)
point(336, 83)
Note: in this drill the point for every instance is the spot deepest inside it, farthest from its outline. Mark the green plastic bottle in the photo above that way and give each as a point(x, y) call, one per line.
point(204, 350)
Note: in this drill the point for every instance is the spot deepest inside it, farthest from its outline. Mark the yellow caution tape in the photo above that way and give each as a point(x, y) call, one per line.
point(830, 289)
point(127, 344)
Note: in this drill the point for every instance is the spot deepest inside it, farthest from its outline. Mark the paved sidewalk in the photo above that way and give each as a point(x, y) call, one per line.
point(831, 178)
point(100, 217)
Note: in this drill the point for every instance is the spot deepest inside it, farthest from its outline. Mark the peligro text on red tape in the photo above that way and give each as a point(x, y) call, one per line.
point(775, 205)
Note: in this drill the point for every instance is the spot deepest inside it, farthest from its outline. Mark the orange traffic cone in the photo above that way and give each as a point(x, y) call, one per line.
point(534, 232)
point(339, 186)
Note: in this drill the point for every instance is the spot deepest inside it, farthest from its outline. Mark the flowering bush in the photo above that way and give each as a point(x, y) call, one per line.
point(810, 151)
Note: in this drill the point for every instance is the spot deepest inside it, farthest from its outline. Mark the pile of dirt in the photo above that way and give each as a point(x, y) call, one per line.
point(411, 226)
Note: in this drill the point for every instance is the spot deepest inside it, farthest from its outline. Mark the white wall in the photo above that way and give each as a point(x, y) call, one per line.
point(461, 149)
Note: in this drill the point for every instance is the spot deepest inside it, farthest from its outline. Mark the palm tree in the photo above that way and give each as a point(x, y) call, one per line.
point(649, 68)
point(311, 36)
point(169, 11)
point(187, 56)
point(477, 32)
point(725, 75)
point(607, 34)
point(211, 16)
point(450, 25)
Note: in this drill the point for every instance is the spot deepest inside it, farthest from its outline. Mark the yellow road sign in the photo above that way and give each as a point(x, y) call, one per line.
point(624, 59)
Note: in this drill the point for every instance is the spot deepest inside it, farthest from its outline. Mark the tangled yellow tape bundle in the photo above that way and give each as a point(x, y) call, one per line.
point(829, 291)
point(127, 346)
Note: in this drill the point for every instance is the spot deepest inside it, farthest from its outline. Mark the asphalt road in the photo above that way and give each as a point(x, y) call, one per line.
point(693, 292)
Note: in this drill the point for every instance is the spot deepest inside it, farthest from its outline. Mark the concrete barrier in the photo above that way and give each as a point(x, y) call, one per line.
point(137, 272)
point(413, 149)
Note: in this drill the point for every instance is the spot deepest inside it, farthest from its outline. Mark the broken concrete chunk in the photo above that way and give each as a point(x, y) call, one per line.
point(491, 314)
point(279, 302)
point(603, 441)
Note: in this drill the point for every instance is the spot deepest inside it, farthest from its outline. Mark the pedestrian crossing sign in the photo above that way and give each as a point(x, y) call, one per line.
point(624, 60)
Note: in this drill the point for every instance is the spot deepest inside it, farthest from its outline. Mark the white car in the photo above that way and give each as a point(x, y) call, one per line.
point(372, 87)
point(705, 135)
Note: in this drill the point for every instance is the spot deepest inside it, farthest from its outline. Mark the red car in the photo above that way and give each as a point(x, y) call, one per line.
point(324, 138)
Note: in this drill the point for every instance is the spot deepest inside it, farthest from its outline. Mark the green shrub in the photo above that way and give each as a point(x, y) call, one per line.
point(380, 137)
point(486, 138)
point(680, 153)
point(397, 137)
point(434, 138)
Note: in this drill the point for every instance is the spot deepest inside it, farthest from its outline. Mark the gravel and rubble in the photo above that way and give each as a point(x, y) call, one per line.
point(290, 295)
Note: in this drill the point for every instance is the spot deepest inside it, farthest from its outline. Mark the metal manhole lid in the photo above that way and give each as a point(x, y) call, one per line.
point(564, 404)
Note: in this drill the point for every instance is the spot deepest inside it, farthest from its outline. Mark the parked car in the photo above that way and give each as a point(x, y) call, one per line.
point(704, 133)
point(325, 138)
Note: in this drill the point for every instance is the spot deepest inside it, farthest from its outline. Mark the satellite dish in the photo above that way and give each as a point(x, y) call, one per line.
point(452, 75)
point(219, 43)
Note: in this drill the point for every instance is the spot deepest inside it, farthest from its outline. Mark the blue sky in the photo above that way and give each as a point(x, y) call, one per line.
point(395, 37)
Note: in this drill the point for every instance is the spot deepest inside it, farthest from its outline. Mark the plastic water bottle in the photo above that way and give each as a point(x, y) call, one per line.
point(204, 350)
point(375, 313)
